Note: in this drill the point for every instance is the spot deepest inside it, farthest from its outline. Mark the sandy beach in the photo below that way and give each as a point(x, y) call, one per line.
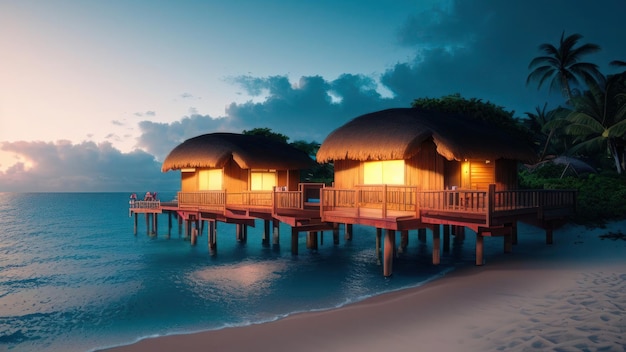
point(569, 296)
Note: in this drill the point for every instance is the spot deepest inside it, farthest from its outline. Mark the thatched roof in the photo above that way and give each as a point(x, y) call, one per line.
point(398, 133)
point(248, 151)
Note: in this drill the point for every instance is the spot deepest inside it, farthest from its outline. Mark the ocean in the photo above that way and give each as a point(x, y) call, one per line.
point(73, 277)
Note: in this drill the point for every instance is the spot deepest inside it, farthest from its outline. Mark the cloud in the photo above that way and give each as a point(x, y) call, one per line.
point(147, 113)
point(117, 123)
point(159, 138)
point(84, 167)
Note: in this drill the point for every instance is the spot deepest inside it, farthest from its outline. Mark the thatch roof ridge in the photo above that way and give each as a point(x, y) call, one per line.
point(213, 150)
point(397, 133)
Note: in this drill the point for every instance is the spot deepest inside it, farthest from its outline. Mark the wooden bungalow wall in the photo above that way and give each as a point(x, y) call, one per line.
point(431, 171)
point(425, 169)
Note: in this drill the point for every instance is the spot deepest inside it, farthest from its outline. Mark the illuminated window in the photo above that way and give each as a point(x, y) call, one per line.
point(389, 172)
point(262, 181)
point(210, 180)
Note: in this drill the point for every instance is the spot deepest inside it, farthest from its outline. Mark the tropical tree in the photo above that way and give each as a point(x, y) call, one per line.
point(562, 65)
point(548, 129)
point(267, 132)
point(477, 109)
point(598, 120)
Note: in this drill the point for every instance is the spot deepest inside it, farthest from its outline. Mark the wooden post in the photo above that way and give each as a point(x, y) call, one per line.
point(276, 231)
point(321, 238)
point(421, 235)
point(169, 225)
point(514, 233)
point(436, 245)
point(294, 241)
point(187, 229)
point(311, 240)
point(245, 233)
point(348, 232)
point(379, 233)
point(148, 224)
point(404, 240)
point(194, 236)
point(446, 238)
point(212, 237)
point(335, 233)
point(180, 224)
point(390, 243)
point(508, 243)
point(135, 225)
point(479, 247)
point(238, 233)
point(155, 224)
point(266, 232)
point(549, 235)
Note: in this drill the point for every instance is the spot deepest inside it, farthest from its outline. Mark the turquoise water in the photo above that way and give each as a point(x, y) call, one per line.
point(73, 277)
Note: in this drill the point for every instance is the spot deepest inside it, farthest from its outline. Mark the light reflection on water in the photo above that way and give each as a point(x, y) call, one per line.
point(73, 277)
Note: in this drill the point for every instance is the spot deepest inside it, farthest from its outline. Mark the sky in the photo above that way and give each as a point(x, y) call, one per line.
point(94, 94)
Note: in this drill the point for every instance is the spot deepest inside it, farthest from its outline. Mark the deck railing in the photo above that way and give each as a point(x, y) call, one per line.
point(410, 199)
point(277, 198)
point(144, 204)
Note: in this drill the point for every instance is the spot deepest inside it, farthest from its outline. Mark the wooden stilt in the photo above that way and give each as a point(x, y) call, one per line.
point(390, 243)
point(194, 236)
point(169, 225)
point(276, 231)
point(212, 237)
point(245, 233)
point(436, 245)
point(239, 232)
point(404, 240)
point(155, 224)
point(479, 248)
point(549, 235)
point(266, 232)
point(421, 235)
point(294, 241)
point(321, 238)
point(148, 224)
point(446, 238)
point(514, 233)
point(379, 233)
point(135, 224)
point(311, 240)
point(180, 224)
point(348, 232)
point(335, 233)
point(508, 243)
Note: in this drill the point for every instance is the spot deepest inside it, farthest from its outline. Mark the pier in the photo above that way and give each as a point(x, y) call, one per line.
point(315, 208)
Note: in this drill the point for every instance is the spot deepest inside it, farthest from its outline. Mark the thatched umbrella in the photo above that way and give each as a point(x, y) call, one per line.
point(214, 150)
point(398, 134)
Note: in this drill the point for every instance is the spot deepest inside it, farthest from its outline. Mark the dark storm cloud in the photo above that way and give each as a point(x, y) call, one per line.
point(480, 49)
point(85, 167)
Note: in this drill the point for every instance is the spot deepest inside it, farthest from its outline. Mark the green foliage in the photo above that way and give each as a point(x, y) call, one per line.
point(267, 132)
point(600, 198)
point(476, 109)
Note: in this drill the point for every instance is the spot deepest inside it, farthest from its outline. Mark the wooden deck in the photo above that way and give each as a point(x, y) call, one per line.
point(314, 208)
point(404, 207)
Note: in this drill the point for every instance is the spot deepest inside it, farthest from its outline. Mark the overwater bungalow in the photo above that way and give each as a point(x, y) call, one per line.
point(407, 168)
point(236, 178)
point(396, 170)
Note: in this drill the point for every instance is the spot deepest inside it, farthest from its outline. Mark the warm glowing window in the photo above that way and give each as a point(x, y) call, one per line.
point(210, 180)
point(383, 172)
point(262, 181)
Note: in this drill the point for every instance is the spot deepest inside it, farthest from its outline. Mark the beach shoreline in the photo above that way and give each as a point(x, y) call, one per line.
point(567, 296)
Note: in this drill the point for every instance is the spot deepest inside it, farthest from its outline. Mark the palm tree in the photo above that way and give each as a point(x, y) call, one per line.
point(547, 127)
point(562, 65)
point(599, 119)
